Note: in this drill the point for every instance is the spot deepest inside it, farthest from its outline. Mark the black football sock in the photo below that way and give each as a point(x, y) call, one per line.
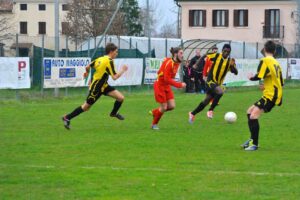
point(254, 128)
point(116, 108)
point(75, 113)
point(199, 108)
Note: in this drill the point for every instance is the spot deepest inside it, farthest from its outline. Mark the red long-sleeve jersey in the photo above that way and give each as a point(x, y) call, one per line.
point(167, 73)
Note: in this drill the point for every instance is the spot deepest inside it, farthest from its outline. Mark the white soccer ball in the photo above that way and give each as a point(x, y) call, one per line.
point(230, 117)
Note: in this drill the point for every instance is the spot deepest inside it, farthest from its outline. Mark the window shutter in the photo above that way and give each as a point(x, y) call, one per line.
point(191, 17)
point(267, 18)
point(246, 18)
point(204, 18)
point(226, 18)
point(236, 18)
point(214, 18)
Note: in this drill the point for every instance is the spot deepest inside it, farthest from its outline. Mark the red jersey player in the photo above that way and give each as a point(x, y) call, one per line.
point(162, 86)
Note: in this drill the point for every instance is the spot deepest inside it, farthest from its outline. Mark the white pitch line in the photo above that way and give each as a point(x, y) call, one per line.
point(156, 169)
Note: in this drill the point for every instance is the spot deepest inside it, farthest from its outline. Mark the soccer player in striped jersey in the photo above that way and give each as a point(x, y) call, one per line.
point(270, 71)
point(222, 63)
point(104, 67)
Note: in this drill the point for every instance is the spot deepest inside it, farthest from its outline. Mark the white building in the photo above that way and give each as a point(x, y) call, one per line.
point(32, 20)
point(252, 21)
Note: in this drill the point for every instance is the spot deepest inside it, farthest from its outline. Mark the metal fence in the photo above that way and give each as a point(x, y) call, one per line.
point(130, 47)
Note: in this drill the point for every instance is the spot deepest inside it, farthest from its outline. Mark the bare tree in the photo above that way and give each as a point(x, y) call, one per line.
point(89, 18)
point(168, 31)
point(152, 20)
point(6, 7)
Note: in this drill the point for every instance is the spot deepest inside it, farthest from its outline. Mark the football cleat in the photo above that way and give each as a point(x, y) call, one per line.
point(154, 127)
point(246, 144)
point(210, 114)
point(118, 116)
point(67, 122)
point(191, 118)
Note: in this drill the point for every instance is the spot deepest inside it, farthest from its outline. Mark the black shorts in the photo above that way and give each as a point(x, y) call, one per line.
point(265, 104)
point(96, 90)
point(211, 87)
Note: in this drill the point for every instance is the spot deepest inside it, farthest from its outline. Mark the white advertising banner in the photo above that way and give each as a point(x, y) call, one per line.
point(65, 72)
point(295, 68)
point(246, 66)
point(152, 67)
point(14, 73)
point(134, 74)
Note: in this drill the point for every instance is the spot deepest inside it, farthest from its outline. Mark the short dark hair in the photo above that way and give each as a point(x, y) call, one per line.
point(110, 47)
point(270, 47)
point(175, 50)
point(226, 46)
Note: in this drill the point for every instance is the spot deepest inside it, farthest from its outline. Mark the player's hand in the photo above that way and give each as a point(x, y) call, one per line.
point(250, 75)
point(124, 68)
point(183, 85)
point(232, 62)
point(85, 75)
point(205, 78)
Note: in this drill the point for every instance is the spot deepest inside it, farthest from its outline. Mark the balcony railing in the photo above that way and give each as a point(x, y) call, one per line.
point(273, 32)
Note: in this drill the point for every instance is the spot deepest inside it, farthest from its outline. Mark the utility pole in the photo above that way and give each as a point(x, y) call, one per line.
point(298, 32)
point(148, 29)
point(108, 26)
point(178, 20)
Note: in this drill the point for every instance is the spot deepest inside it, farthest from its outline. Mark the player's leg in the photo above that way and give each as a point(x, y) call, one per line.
point(253, 114)
point(170, 99)
point(93, 96)
point(157, 114)
point(218, 91)
point(161, 98)
point(171, 105)
point(200, 107)
point(110, 91)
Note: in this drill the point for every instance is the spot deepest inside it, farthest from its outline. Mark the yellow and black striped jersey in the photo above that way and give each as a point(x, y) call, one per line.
point(103, 66)
point(270, 70)
point(220, 67)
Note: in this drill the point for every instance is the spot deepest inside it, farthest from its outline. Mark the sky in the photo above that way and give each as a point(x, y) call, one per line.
point(165, 10)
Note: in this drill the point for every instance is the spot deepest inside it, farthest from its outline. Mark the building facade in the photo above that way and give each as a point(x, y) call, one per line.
point(33, 20)
point(250, 21)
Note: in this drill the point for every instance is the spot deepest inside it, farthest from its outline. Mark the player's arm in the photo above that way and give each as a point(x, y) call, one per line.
point(232, 66)
point(88, 68)
point(262, 71)
point(281, 78)
point(112, 72)
point(169, 80)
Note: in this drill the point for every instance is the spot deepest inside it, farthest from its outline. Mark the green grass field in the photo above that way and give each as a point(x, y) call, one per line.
point(102, 158)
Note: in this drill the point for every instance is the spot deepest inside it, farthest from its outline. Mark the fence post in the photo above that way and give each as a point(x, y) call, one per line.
point(42, 66)
point(166, 45)
point(244, 50)
point(67, 46)
point(130, 43)
point(17, 55)
point(256, 50)
point(282, 49)
point(89, 46)
point(66, 55)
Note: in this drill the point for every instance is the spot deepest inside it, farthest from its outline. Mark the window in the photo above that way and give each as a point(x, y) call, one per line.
point(64, 28)
point(23, 6)
point(23, 27)
point(65, 7)
point(42, 6)
point(220, 18)
point(240, 18)
point(42, 28)
point(197, 18)
point(272, 28)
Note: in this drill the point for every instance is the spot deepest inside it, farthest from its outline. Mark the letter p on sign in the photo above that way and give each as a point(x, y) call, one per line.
point(22, 65)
